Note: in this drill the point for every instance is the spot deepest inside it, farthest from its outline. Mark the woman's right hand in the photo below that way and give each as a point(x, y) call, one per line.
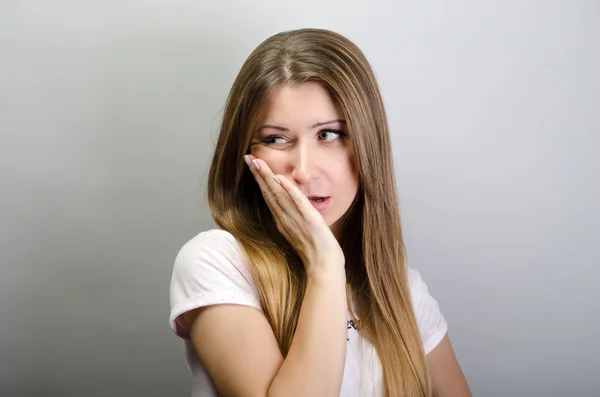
point(299, 222)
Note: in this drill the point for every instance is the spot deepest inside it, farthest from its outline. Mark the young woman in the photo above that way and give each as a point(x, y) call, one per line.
point(304, 290)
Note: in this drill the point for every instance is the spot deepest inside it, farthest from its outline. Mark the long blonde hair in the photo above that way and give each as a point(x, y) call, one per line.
point(371, 233)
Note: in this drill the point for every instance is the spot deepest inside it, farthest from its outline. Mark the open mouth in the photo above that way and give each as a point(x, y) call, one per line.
point(320, 203)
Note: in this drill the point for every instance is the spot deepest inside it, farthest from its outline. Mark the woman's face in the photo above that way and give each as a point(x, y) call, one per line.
point(302, 135)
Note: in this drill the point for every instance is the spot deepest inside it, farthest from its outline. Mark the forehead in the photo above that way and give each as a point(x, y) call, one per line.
point(307, 103)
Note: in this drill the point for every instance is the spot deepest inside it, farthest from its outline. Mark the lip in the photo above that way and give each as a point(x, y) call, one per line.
point(321, 205)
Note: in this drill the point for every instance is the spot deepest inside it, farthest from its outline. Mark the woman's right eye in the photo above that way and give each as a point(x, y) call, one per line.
point(274, 139)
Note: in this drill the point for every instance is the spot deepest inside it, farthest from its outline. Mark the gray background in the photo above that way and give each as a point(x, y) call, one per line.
point(108, 113)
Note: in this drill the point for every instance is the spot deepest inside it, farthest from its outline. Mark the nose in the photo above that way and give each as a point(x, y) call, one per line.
point(303, 167)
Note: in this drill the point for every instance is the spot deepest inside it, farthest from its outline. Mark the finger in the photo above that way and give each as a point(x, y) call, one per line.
point(264, 188)
point(297, 197)
point(276, 192)
point(273, 197)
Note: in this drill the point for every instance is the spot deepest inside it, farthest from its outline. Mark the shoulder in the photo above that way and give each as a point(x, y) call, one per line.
point(210, 252)
point(211, 240)
point(210, 249)
point(432, 324)
point(210, 269)
point(417, 285)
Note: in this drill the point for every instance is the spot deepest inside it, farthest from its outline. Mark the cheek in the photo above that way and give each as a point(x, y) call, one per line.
point(352, 175)
point(344, 169)
point(347, 165)
point(275, 159)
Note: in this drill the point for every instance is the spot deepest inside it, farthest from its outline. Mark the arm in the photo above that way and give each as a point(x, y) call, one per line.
point(242, 358)
point(236, 344)
point(446, 376)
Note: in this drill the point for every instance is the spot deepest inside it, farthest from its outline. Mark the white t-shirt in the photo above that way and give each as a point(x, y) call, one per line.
point(211, 269)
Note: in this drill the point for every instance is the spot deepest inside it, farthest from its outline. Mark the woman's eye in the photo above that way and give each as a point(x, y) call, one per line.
point(330, 135)
point(274, 139)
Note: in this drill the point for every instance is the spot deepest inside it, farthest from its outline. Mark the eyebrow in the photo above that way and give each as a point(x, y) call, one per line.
point(283, 129)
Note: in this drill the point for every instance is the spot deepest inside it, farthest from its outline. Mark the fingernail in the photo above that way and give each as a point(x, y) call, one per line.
point(247, 160)
point(255, 163)
point(276, 180)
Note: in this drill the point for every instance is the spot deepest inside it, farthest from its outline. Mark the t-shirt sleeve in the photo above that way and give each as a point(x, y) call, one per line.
point(432, 324)
point(209, 270)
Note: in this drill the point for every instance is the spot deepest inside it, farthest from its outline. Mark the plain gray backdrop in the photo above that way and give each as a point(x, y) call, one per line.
point(108, 117)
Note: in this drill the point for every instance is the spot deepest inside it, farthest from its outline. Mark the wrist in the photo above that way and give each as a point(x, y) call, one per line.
point(326, 275)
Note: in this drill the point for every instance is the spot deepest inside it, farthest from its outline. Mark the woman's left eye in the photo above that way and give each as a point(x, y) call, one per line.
point(331, 135)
